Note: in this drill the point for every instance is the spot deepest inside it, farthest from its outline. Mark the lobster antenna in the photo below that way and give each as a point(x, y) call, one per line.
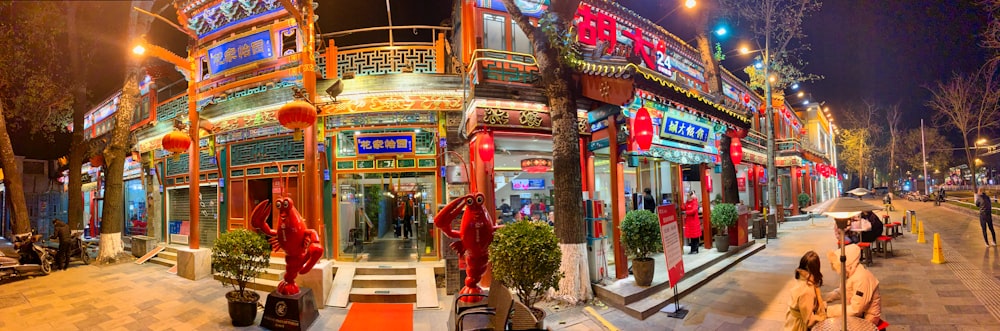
point(468, 170)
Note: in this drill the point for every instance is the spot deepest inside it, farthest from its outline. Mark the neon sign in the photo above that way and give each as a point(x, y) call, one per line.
point(595, 26)
point(384, 144)
point(240, 51)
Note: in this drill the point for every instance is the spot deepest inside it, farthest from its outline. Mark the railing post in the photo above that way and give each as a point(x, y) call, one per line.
point(439, 49)
point(331, 60)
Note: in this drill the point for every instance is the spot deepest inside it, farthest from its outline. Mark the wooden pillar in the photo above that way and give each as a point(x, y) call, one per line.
point(757, 199)
point(585, 181)
point(483, 171)
point(194, 156)
point(677, 176)
point(617, 199)
point(706, 206)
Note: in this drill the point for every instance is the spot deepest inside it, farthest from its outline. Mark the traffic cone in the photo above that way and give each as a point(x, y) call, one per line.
point(920, 234)
point(913, 225)
point(938, 252)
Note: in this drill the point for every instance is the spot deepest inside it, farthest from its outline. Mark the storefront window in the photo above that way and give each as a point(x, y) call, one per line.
point(135, 208)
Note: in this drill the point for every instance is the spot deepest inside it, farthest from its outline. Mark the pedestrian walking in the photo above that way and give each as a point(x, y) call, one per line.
point(63, 234)
point(692, 227)
point(806, 307)
point(648, 203)
point(986, 216)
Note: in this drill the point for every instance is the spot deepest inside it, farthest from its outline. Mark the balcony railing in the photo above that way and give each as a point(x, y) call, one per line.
point(386, 57)
point(502, 66)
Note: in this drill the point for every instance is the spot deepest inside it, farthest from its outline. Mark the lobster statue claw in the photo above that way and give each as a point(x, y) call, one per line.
point(301, 244)
point(475, 234)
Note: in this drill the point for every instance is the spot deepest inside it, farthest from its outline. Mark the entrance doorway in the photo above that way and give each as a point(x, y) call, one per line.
point(386, 216)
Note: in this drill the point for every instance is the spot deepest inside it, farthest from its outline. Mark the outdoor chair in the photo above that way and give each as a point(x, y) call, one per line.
point(493, 316)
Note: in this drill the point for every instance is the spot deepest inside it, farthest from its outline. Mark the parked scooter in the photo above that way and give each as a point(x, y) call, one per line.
point(31, 258)
point(78, 249)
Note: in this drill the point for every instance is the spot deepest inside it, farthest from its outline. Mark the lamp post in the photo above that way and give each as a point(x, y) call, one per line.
point(187, 67)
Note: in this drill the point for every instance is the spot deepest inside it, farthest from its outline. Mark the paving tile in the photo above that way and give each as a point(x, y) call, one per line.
point(966, 309)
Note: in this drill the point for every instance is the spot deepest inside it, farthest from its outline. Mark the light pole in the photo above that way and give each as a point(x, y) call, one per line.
point(187, 66)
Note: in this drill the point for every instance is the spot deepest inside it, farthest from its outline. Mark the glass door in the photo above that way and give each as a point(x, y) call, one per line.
point(386, 216)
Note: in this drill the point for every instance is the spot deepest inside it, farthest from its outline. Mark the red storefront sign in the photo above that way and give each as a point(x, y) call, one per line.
point(741, 184)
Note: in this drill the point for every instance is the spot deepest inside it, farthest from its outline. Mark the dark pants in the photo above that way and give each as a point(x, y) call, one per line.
point(408, 227)
point(987, 222)
point(62, 255)
point(694, 242)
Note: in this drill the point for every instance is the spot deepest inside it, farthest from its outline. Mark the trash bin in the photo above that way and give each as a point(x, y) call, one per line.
point(758, 227)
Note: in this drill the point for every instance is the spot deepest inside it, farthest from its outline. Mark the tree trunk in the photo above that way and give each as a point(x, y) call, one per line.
point(113, 215)
point(730, 190)
point(569, 227)
point(12, 181)
point(76, 153)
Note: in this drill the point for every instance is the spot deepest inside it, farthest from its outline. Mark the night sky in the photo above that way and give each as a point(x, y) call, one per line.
point(882, 51)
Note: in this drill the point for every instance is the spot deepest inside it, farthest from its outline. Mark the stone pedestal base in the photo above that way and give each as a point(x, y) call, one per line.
point(194, 264)
point(290, 312)
point(142, 245)
point(319, 279)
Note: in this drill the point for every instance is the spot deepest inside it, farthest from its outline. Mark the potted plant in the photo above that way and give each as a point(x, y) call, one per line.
point(803, 201)
point(724, 215)
point(237, 257)
point(525, 257)
point(641, 237)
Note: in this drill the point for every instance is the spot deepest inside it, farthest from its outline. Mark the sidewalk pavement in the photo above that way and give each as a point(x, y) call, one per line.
point(753, 295)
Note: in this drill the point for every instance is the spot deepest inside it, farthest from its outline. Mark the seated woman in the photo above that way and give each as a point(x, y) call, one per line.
point(874, 227)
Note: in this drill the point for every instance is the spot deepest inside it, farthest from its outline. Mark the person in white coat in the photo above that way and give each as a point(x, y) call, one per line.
point(862, 295)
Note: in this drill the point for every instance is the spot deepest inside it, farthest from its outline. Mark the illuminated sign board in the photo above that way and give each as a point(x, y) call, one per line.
point(530, 8)
point(616, 35)
point(401, 143)
point(240, 51)
point(689, 131)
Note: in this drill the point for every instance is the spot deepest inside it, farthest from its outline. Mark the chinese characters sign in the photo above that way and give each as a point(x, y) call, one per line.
point(612, 34)
point(384, 144)
point(688, 131)
point(240, 51)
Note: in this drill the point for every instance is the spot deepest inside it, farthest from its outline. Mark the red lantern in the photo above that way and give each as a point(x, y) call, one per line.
point(746, 98)
point(97, 160)
point(642, 129)
point(297, 115)
point(736, 150)
point(486, 147)
point(176, 142)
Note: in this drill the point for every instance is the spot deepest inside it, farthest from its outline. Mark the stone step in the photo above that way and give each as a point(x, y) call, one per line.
point(649, 305)
point(383, 295)
point(385, 270)
point(371, 281)
point(163, 262)
point(172, 256)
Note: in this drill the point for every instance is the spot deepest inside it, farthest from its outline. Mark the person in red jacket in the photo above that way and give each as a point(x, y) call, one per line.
point(692, 225)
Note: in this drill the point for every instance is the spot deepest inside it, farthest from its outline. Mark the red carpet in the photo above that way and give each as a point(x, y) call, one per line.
point(379, 316)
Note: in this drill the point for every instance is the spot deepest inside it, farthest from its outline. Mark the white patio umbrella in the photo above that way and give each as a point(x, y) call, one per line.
point(841, 209)
point(859, 191)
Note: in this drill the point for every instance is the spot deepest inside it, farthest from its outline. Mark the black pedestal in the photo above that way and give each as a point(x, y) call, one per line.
point(290, 312)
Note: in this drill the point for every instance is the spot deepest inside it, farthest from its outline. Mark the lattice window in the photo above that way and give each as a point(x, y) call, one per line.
point(169, 110)
point(320, 64)
point(267, 150)
point(180, 165)
point(384, 61)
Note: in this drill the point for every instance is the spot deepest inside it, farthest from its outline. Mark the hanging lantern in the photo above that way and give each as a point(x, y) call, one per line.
point(736, 150)
point(536, 165)
point(486, 147)
point(97, 160)
point(176, 142)
point(297, 115)
point(642, 129)
point(746, 98)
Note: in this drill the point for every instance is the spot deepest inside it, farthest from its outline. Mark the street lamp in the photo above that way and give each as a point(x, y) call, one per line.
point(687, 4)
point(187, 66)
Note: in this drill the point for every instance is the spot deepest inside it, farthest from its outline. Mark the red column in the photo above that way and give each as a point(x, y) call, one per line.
point(795, 189)
point(757, 191)
point(482, 177)
point(706, 206)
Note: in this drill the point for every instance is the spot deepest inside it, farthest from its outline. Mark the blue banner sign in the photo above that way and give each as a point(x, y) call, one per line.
point(240, 51)
point(384, 144)
point(674, 128)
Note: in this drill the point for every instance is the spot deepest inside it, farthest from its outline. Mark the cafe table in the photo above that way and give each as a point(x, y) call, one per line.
point(836, 324)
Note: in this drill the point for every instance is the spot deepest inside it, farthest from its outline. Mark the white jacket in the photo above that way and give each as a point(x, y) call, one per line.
point(863, 299)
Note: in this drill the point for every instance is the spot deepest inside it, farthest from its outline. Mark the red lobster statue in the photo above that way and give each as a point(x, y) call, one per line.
point(476, 234)
point(301, 244)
